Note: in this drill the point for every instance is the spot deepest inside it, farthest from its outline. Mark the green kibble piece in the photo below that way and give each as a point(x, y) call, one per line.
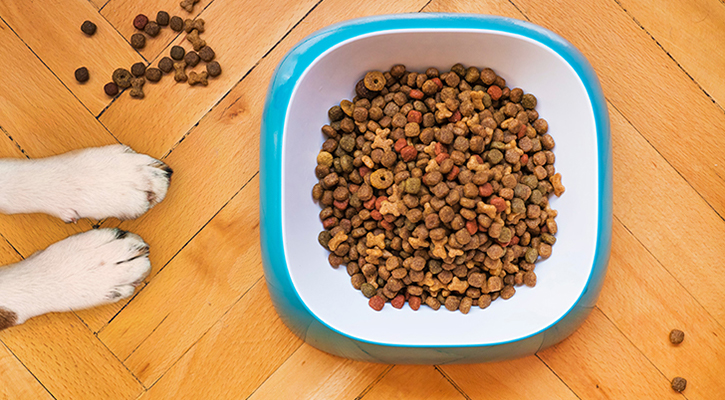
point(528, 101)
point(412, 185)
point(536, 197)
point(346, 163)
point(335, 113)
point(494, 156)
point(368, 290)
point(530, 181)
point(324, 237)
point(498, 145)
point(487, 101)
point(531, 255)
point(518, 206)
point(548, 238)
point(347, 142)
point(317, 191)
point(324, 158)
point(472, 74)
point(506, 235)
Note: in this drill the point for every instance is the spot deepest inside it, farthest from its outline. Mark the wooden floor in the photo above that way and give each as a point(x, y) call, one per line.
point(203, 326)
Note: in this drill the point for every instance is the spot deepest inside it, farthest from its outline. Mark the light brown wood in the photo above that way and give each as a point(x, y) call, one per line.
point(314, 375)
point(20, 383)
point(680, 27)
point(421, 382)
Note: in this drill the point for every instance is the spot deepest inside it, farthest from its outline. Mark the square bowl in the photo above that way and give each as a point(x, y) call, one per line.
point(318, 303)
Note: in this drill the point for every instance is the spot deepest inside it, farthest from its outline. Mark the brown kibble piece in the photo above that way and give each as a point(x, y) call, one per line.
point(190, 25)
point(679, 384)
point(206, 53)
point(195, 40)
point(81, 74)
point(166, 65)
point(188, 5)
point(214, 69)
point(177, 52)
point(137, 88)
point(88, 27)
point(179, 73)
point(375, 81)
point(111, 89)
point(138, 41)
point(140, 22)
point(138, 69)
point(677, 336)
point(198, 78)
point(153, 74)
point(176, 24)
point(192, 59)
point(162, 18)
point(122, 78)
point(152, 29)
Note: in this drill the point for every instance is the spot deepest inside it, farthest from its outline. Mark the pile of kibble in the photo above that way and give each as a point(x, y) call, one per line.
point(179, 61)
point(434, 188)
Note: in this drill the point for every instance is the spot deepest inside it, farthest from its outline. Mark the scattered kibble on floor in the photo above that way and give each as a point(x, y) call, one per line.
point(677, 336)
point(679, 384)
point(111, 89)
point(88, 27)
point(82, 74)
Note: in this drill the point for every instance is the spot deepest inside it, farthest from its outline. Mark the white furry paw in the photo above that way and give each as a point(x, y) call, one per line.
point(85, 270)
point(101, 182)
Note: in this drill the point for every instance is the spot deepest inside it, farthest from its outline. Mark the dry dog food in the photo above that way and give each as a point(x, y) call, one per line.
point(177, 52)
point(88, 27)
point(192, 59)
point(434, 188)
point(162, 18)
point(111, 89)
point(138, 41)
point(166, 65)
point(198, 78)
point(176, 24)
point(188, 5)
point(179, 71)
point(153, 74)
point(206, 53)
point(82, 74)
point(122, 78)
point(138, 69)
point(152, 29)
point(196, 41)
point(679, 384)
point(677, 336)
point(137, 88)
point(214, 69)
point(190, 25)
point(140, 22)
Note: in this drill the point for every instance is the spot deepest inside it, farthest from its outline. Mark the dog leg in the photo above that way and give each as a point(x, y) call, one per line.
point(85, 270)
point(110, 181)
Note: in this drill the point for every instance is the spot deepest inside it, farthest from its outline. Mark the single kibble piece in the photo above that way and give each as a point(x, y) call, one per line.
point(166, 65)
point(152, 29)
point(206, 53)
point(677, 336)
point(140, 22)
point(89, 28)
point(153, 74)
point(191, 24)
point(111, 89)
point(138, 69)
point(679, 384)
point(188, 5)
point(375, 81)
point(82, 74)
point(177, 52)
point(162, 18)
point(176, 24)
point(214, 69)
point(138, 41)
point(198, 78)
point(137, 88)
point(195, 40)
point(192, 59)
point(122, 78)
point(180, 74)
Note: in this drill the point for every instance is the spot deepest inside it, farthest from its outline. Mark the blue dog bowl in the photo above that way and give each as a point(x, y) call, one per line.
point(318, 303)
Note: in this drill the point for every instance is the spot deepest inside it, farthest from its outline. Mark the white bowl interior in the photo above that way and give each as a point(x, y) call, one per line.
point(562, 101)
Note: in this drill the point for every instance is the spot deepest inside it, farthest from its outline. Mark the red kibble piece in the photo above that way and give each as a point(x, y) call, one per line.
point(340, 205)
point(439, 148)
point(363, 171)
point(387, 225)
point(376, 303)
point(415, 94)
point(499, 203)
point(415, 116)
point(408, 153)
point(495, 92)
point(414, 302)
point(472, 227)
point(544, 229)
point(441, 157)
point(455, 117)
point(485, 190)
point(140, 22)
point(329, 223)
point(454, 173)
point(438, 82)
point(379, 202)
point(353, 188)
point(389, 218)
point(478, 158)
point(398, 301)
point(375, 214)
point(522, 131)
point(370, 204)
point(111, 89)
point(524, 159)
point(400, 144)
point(515, 240)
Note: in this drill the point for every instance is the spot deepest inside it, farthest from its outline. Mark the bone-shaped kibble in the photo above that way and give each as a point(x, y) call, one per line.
point(190, 25)
point(198, 78)
point(188, 5)
point(137, 87)
point(180, 74)
point(195, 40)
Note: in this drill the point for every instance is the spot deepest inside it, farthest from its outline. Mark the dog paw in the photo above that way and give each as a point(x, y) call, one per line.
point(89, 269)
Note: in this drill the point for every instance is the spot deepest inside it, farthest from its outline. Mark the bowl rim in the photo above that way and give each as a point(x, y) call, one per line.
point(281, 88)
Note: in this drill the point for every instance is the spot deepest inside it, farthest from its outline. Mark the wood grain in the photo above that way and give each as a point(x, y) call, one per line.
point(53, 31)
point(312, 374)
point(24, 385)
point(420, 382)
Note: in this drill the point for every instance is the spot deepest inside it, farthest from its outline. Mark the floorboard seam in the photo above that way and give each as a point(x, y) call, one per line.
point(27, 369)
point(557, 376)
point(275, 371)
point(375, 381)
point(451, 381)
point(14, 142)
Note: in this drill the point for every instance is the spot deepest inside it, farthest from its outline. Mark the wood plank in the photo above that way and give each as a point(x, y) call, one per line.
point(168, 120)
point(53, 31)
point(234, 357)
point(205, 279)
point(97, 3)
point(421, 382)
point(598, 362)
point(491, 7)
point(644, 188)
point(313, 374)
point(120, 13)
point(69, 360)
point(23, 384)
point(693, 32)
point(650, 90)
point(524, 378)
